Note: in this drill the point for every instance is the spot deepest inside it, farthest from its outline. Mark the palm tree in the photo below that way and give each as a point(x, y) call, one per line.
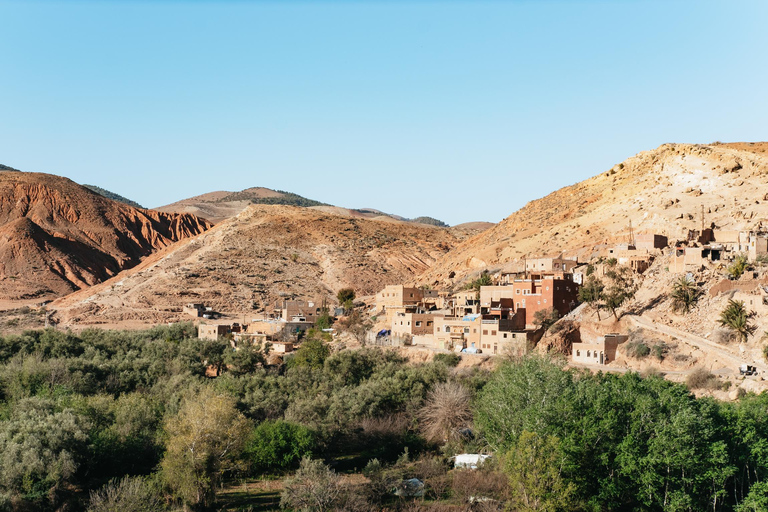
point(685, 294)
point(736, 317)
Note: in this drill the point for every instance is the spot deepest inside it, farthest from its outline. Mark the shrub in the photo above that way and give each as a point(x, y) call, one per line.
point(314, 487)
point(446, 411)
point(451, 359)
point(701, 378)
point(737, 268)
point(636, 349)
point(129, 494)
point(278, 445)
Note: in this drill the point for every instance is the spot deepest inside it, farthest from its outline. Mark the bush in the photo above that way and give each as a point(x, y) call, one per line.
point(701, 378)
point(129, 494)
point(314, 487)
point(452, 359)
point(278, 445)
point(636, 349)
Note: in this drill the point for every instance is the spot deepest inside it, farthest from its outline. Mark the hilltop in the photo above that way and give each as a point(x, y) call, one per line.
point(221, 204)
point(113, 196)
point(265, 253)
point(662, 191)
point(57, 236)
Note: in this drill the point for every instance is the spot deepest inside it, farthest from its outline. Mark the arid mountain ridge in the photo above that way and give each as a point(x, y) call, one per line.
point(663, 191)
point(268, 252)
point(265, 253)
point(57, 236)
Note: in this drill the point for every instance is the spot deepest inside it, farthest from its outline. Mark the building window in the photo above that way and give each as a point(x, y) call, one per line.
point(493, 333)
point(429, 323)
point(545, 301)
point(505, 335)
point(466, 330)
point(418, 324)
point(485, 332)
point(517, 292)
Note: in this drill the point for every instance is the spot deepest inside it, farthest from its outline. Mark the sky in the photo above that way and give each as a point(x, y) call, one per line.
point(459, 110)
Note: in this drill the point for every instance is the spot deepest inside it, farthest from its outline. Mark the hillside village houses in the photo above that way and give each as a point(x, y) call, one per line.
point(494, 320)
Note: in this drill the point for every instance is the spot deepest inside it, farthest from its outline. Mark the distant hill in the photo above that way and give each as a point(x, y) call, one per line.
point(6, 168)
point(112, 196)
point(430, 221)
point(220, 205)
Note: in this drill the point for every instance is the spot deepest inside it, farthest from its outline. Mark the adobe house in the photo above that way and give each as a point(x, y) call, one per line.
point(413, 324)
point(603, 351)
point(649, 242)
point(691, 259)
point(298, 311)
point(461, 332)
point(193, 309)
point(516, 343)
point(550, 264)
point(545, 291)
point(397, 295)
point(212, 331)
point(465, 303)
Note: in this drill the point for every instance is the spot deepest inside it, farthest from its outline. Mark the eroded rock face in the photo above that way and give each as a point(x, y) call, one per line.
point(57, 236)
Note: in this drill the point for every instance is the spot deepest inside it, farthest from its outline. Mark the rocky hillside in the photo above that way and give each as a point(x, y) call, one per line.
point(246, 263)
point(662, 191)
point(57, 236)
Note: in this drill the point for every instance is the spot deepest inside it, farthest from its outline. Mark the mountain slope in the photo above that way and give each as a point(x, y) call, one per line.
point(220, 205)
point(112, 196)
point(57, 236)
point(660, 191)
point(265, 253)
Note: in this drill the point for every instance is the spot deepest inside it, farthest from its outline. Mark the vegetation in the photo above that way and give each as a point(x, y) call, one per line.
point(430, 221)
point(112, 196)
point(738, 267)
point(287, 198)
point(592, 293)
point(484, 279)
point(736, 317)
point(546, 318)
point(346, 298)
point(134, 421)
point(621, 288)
point(685, 294)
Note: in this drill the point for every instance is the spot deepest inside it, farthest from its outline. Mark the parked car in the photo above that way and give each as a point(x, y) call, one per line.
point(746, 369)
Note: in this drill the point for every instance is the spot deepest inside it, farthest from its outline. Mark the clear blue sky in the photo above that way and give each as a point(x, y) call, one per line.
point(459, 110)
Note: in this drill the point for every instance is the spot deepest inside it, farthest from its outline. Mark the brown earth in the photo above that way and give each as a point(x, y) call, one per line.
point(246, 263)
point(57, 236)
point(659, 191)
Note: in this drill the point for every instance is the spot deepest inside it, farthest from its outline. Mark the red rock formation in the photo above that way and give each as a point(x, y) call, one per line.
point(57, 236)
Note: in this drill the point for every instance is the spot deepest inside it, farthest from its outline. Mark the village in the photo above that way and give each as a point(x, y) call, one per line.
point(508, 312)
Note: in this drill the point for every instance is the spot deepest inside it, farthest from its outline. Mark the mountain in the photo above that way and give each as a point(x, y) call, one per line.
point(57, 236)
point(265, 253)
point(220, 205)
point(112, 196)
point(665, 191)
point(6, 168)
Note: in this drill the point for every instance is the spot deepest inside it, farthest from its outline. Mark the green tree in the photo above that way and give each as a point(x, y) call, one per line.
point(736, 317)
point(621, 288)
point(535, 469)
point(204, 441)
point(685, 294)
point(313, 351)
point(246, 358)
point(324, 320)
point(739, 265)
point(41, 449)
point(346, 297)
point(546, 318)
point(592, 293)
point(277, 445)
point(484, 279)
